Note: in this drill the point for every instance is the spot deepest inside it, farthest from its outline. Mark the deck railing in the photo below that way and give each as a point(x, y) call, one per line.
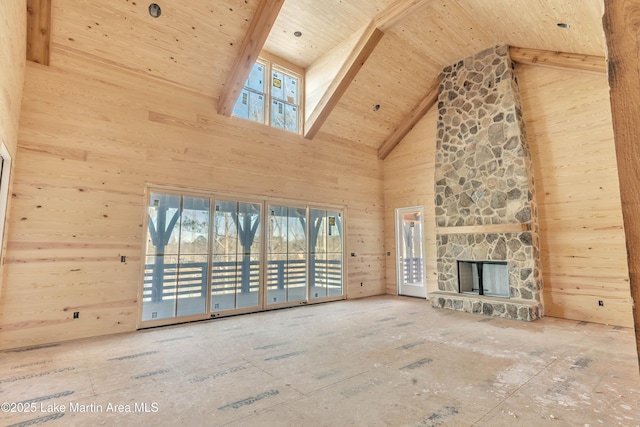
point(412, 270)
point(189, 280)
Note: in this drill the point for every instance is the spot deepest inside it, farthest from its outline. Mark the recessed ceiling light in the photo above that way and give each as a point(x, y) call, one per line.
point(297, 34)
point(376, 107)
point(154, 10)
point(563, 25)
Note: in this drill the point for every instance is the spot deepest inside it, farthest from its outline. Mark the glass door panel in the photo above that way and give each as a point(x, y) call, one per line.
point(409, 252)
point(248, 261)
point(325, 262)
point(235, 281)
point(287, 258)
point(225, 243)
point(277, 256)
point(297, 255)
point(318, 254)
point(334, 254)
point(194, 256)
point(161, 261)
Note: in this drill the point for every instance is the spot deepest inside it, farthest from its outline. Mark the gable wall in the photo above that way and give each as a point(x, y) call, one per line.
point(92, 136)
point(568, 122)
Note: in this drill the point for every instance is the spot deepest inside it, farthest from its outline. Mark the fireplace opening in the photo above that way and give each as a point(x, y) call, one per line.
point(490, 278)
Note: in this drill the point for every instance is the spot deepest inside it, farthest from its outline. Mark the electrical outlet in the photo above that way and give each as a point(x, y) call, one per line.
point(76, 314)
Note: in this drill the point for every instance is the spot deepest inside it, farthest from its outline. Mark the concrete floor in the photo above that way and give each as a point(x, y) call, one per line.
point(372, 362)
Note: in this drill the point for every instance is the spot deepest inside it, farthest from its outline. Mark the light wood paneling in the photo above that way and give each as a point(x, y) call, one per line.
point(13, 38)
point(355, 59)
point(409, 172)
point(409, 122)
point(13, 48)
point(323, 24)
point(250, 48)
point(192, 44)
point(595, 64)
point(568, 122)
point(438, 33)
point(79, 193)
point(397, 12)
point(322, 72)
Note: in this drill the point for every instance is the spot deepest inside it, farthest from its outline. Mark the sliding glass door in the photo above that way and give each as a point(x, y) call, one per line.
point(235, 271)
point(325, 254)
point(210, 256)
point(287, 255)
point(177, 254)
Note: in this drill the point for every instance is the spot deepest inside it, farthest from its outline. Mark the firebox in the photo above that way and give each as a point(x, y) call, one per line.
point(490, 278)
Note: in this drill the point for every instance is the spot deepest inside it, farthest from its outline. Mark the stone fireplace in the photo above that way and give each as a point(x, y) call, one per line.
point(484, 193)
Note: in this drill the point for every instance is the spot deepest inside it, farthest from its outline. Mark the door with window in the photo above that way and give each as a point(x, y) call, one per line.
point(287, 255)
point(410, 252)
point(235, 267)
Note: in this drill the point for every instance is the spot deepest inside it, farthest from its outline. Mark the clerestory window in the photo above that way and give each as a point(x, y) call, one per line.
point(271, 95)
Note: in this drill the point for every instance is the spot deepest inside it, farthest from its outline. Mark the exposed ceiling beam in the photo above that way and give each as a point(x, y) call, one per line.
point(518, 54)
point(558, 59)
point(409, 122)
point(252, 44)
point(340, 83)
point(621, 18)
point(382, 22)
point(38, 31)
point(396, 12)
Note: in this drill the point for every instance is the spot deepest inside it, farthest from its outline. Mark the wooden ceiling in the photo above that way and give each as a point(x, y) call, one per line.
point(358, 53)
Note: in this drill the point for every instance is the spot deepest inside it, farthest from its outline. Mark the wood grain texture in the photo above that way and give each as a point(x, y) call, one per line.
point(13, 38)
point(320, 75)
point(409, 172)
point(568, 122)
point(488, 228)
point(79, 195)
point(345, 75)
point(250, 48)
point(409, 122)
point(621, 24)
point(38, 31)
point(396, 12)
point(324, 25)
point(595, 64)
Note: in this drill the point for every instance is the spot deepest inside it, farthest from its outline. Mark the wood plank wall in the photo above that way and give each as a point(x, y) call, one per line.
point(568, 121)
point(408, 181)
point(584, 260)
point(13, 53)
point(93, 134)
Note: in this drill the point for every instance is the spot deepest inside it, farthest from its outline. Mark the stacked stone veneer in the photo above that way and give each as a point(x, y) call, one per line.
point(484, 178)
